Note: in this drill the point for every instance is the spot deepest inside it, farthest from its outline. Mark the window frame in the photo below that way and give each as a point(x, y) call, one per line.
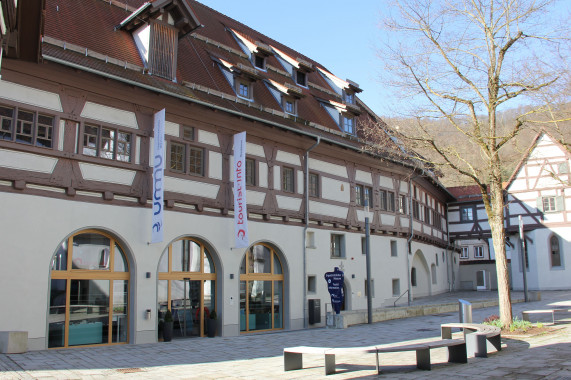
point(250, 177)
point(255, 58)
point(468, 216)
point(383, 200)
point(464, 252)
point(337, 246)
point(348, 127)
point(288, 181)
point(402, 206)
point(391, 201)
point(14, 126)
point(296, 77)
point(293, 102)
point(552, 254)
point(239, 85)
point(478, 251)
point(188, 148)
point(314, 186)
point(100, 139)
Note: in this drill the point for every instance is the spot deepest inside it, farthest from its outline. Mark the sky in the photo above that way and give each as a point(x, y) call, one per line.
point(342, 36)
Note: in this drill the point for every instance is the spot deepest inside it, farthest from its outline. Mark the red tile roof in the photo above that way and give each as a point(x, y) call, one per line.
point(91, 25)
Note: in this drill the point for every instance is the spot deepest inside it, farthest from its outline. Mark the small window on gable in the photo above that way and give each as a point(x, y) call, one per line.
point(260, 62)
point(348, 124)
point(289, 105)
point(348, 97)
point(243, 89)
point(466, 214)
point(301, 78)
point(163, 46)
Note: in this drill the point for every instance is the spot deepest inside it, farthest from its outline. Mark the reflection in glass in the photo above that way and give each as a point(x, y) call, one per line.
point(185, 307)
point(278, 302)
point(260, 305)
point(242, 305)
point(185, 256)
point(56, 316)
point(162, 298)
point(88, 312)
point(120, 304)
point(119, 260)
point(209, 299)
point(260, 259)
point(91, 251)
point(59, 262)
point(208, 263)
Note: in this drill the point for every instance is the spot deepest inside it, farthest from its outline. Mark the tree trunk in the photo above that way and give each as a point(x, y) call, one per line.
point(496, 220)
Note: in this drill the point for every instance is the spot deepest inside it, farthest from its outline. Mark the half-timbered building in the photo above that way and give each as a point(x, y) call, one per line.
point(536, 194)
point(79, 94)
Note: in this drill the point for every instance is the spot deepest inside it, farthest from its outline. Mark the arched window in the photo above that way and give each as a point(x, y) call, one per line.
point(261, 290)
point(187, 286)
point(89, 292)
point(555, 251)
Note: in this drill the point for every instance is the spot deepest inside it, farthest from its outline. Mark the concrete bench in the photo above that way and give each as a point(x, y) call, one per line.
point(525, 314)
point(476, 337)
point(13, 342)
point(293, 356)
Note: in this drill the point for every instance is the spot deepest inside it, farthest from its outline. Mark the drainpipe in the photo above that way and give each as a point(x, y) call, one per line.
point(409, 240)
point(306, 190)
point(449, 264)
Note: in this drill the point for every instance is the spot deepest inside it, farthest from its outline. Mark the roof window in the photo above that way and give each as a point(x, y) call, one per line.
point(156, 28)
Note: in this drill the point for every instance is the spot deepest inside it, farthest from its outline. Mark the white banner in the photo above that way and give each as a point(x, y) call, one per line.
point(158, 177)
point(240, 210)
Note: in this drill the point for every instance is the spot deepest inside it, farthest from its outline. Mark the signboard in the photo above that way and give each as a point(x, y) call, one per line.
point(158, 177)
point(240, 210)
point(335, 287)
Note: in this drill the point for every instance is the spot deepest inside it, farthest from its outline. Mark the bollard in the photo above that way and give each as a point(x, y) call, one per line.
point(465, 311)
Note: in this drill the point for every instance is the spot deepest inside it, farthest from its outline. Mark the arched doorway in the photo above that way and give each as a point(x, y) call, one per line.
point(420, 276)
point(261, 290)
point(187, 286)
point(89, 292)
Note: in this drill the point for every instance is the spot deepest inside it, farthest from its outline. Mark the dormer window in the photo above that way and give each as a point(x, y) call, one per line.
point(243, 89)
point(156, 28)
point(289, 105)
point(348, 124)
point(349, 97)
point(301, 78)
point(260, 62)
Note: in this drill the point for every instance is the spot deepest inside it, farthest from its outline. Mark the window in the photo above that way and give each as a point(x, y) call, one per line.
point(436, 256)
point(427, 215)
point(363, 245)
point(466, 214)
point(186, 159)
point(413, 276)
point(348, 97)
point(372, 288)
point(549, 204)
point(261, 290)
point(188, 133)
point(391, 201)
point(363, 193)
point(243, 90)
point(478, 252)
point(394, 249)
point(313, 185)
point(415, 209)
point(402, 204)
point(106, 143)
point(186, 286)
point(289, 105)
point(348, 125)
point(464, 253)
point(301, 78)
point(288, 179)
point(337, 245)
point(383, 200)
point(31, 128)
point(563, 168)
point(396, 287)
point(555, 251)
point(250, 172)
point(260, 62)
point(433, 273)
point(86, 269)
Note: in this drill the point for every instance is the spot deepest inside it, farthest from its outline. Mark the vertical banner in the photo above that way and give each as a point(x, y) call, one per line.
point(158, 177)
point(240, 210)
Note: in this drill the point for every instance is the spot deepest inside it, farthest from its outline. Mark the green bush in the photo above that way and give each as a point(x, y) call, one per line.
point(517, 324)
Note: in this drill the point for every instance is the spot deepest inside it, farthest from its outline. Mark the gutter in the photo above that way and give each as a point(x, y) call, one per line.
point(306, 168)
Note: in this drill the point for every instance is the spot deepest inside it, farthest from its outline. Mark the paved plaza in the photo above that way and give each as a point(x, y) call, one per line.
point(259, 356)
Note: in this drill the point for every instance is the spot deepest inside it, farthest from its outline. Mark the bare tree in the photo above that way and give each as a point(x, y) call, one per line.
point(458, 63)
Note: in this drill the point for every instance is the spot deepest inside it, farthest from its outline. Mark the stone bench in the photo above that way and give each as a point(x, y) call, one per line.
point(525, 314)
point(476, 337)
point(293, 356)
point(13, 342)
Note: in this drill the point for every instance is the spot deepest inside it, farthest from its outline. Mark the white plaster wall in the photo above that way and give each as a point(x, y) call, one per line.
point(335, 190)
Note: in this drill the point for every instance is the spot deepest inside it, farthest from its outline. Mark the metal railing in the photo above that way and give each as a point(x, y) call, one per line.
point(395, 303)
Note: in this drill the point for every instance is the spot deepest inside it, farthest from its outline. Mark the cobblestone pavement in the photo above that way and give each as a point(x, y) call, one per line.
point(260, 356)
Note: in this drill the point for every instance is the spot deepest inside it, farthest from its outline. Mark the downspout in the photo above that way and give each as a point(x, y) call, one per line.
point(409, 240)
point(306, 191)
point(449, 264)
